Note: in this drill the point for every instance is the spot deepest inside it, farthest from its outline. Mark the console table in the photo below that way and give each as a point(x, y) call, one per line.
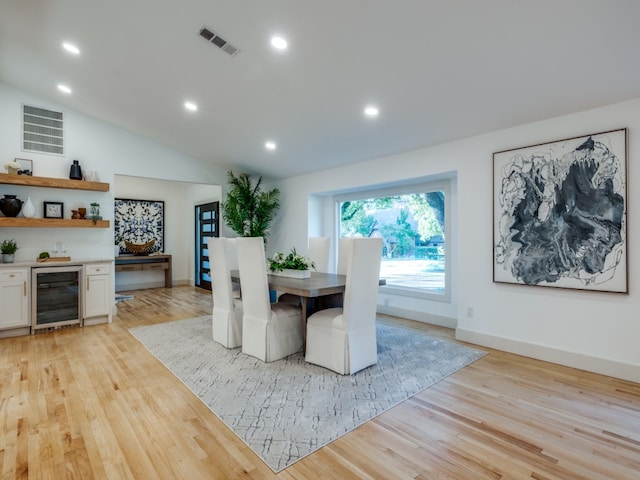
point(132, 263)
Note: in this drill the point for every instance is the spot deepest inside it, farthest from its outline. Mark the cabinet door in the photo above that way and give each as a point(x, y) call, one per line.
point(14, 299)
point(97, 301)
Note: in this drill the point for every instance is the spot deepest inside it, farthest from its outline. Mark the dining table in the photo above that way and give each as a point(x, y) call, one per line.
point(317, 292)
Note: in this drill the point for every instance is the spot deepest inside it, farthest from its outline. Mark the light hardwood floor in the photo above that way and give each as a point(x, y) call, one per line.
point(94, 403)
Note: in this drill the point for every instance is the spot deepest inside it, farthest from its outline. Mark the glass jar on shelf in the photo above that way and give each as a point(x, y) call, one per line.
point(94, 212)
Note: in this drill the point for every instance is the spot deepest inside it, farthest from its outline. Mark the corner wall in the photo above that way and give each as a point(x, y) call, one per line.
point(589, 330)
point(179, 199)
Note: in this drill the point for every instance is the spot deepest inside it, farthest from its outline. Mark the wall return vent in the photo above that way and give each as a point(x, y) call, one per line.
point(218, 41)
point(42, 130)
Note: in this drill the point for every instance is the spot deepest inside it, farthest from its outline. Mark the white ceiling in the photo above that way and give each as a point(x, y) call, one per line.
point(439, 70)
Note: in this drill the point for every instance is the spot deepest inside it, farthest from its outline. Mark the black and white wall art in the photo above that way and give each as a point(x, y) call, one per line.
point(139, 221)
point(560, 213)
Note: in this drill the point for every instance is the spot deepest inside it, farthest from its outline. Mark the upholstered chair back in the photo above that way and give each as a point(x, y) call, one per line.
point(361, 291)
point(270, 331)
point(319, 252)
point(227, 311)
point(252, 264)
point(344, 250)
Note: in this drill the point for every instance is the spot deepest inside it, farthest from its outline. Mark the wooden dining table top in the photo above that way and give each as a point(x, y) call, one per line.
point(317, 285)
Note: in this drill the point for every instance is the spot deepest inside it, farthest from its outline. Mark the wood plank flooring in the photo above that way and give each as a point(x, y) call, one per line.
point(92, 402)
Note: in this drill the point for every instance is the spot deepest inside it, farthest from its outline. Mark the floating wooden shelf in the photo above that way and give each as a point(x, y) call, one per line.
point(29, 181)
point(52, 222)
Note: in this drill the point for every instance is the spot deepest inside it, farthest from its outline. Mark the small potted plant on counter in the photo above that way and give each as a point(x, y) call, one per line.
point(8, 249)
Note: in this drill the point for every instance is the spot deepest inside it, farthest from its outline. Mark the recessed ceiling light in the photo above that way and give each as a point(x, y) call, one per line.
point(64, 88)
point(371, 111)
point(270, 145)
point(192, 107)
point(71, 48)
point(279, 43)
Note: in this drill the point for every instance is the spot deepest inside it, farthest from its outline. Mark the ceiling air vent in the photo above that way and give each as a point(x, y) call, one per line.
point(218, 41)
point(42, 130)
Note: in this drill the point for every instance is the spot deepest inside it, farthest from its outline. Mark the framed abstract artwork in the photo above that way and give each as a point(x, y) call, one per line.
point(560, 213)
point(139, 222)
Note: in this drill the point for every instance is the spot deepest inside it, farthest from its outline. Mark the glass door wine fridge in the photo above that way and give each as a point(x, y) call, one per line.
point(55, 297)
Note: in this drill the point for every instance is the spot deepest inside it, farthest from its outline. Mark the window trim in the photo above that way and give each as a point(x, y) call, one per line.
point(443, 185)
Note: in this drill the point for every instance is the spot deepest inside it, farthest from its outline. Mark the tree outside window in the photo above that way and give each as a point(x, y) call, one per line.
point(412, 228)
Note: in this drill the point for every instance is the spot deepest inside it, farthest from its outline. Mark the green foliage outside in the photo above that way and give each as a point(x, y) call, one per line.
point(401, 240)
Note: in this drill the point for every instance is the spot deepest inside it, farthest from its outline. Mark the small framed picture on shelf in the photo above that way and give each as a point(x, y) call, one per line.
point(53, 210)
point(26, 166)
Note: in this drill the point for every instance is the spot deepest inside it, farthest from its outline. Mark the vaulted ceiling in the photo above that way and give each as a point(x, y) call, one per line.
point(438, 70)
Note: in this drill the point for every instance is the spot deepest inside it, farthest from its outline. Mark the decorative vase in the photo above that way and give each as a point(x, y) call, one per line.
point(75, 172)
point(8, 257)
point(292, 273)
point(28, 209)
point(10, 205)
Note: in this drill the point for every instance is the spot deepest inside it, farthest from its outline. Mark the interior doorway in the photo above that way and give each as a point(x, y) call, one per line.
point(207, 225)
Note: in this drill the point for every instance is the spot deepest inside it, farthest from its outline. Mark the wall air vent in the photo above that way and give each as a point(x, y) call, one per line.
point(42, 130)
point(218, 41)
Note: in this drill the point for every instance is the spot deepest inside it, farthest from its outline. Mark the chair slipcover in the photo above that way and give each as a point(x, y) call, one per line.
point(344, 244)
point(344, 339)
point(227, 311)
point(269, 331)
point(319, 252)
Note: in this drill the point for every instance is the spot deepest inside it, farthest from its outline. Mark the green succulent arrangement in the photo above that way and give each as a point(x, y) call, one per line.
point(292, 261)
point(8, 247)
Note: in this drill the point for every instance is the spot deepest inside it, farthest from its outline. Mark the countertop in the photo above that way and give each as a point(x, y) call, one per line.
point(73, 261)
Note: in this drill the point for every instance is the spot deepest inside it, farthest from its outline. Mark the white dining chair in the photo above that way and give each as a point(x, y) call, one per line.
point(344, 245)
point(318, 253)
point(343, 339)
point(227, 311)
point(270, 331)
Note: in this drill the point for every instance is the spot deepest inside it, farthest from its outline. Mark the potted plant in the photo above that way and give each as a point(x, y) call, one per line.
point(248, 210)
point(291, 265)
point(8, 250)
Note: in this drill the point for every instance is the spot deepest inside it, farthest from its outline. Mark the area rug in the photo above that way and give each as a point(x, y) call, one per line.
point(287, 409)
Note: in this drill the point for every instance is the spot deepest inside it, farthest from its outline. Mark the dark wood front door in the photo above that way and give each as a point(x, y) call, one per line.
point(207, 225)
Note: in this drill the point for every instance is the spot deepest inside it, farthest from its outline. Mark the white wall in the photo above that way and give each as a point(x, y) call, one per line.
point(179, 199)
point(99, 146)
point(594, 331)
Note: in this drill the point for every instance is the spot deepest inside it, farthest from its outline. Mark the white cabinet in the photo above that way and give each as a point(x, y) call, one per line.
point(98, 298)
point(14, 302)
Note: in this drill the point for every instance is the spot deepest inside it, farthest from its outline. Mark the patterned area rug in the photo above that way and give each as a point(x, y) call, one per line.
point(287, 409)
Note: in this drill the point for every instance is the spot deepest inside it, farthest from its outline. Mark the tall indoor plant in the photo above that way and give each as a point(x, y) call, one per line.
point(248, 210)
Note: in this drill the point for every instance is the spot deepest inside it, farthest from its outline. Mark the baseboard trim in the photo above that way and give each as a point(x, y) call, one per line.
point(139, 286)
point(603, 366)
point(418, 316)
point(156, 284)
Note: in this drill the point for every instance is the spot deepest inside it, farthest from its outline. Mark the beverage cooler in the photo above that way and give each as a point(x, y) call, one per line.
point(56, 297)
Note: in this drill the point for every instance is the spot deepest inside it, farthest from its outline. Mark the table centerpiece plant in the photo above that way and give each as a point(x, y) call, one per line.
point(291, 265)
